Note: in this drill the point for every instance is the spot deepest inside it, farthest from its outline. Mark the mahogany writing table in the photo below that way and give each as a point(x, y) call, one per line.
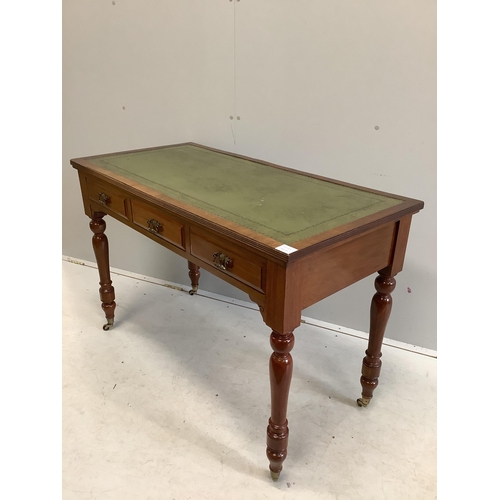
point(286, 238)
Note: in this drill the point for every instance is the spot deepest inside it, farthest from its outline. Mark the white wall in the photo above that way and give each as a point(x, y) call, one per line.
point(310, 81)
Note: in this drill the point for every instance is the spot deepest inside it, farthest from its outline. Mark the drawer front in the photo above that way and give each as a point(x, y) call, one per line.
point(158, 223)
point(107, 196)
point(229, 259)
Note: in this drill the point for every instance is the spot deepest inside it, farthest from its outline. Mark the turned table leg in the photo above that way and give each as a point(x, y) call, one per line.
point(101, 250)
point(280, 371)
point(194, 276)
point(379, 316)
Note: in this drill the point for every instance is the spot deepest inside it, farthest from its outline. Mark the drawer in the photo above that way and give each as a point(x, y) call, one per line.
point(229, 258)
point(107, 195)
point(157, 222)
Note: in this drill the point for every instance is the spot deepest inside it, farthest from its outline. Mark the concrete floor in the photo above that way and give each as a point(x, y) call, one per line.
point(172, 403)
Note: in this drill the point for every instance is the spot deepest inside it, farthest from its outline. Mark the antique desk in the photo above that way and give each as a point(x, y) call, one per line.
point(286, 238)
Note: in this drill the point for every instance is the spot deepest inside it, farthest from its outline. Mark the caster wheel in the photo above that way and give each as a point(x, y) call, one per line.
point(275, 475)
point(363, 402)
point(108, 325)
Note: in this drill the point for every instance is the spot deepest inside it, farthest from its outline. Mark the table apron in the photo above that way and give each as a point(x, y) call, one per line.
point(335, 268)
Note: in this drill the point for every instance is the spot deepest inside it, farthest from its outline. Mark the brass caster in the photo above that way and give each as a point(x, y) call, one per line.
point(193, 290)
point(274, 475)
point(363, 402)
point(109, 324)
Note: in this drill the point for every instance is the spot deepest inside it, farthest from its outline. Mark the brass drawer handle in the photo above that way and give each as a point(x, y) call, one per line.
point(222, 261)
point(103, 198)
point(154, 226)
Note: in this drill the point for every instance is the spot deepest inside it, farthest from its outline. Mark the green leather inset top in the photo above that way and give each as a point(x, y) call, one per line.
point(285, 206)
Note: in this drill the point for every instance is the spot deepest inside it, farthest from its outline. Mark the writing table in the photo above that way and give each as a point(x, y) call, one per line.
point(287, 238)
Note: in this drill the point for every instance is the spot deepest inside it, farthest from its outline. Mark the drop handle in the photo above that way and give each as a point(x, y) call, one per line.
point(222, 261)
point(103, 198)
point(154, 226)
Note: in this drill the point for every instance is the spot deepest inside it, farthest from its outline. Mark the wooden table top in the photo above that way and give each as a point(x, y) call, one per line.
point(275, 205)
